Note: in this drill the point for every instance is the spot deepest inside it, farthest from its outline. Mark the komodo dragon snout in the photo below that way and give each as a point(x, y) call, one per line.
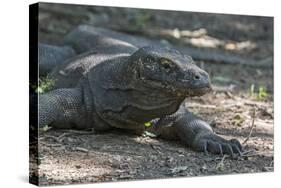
point(169, 70)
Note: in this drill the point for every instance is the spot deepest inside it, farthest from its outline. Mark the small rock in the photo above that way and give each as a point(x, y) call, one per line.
point(78, 166)
point(82, 149)
point(203, 168)
point(178, 169)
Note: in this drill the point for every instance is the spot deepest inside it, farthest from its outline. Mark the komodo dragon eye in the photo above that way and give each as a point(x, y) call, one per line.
point(167, 65)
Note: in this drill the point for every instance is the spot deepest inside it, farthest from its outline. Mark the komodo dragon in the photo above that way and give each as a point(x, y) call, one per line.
point(106, 80)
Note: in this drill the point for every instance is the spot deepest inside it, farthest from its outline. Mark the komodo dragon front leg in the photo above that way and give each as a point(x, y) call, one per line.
point(61, 108)
point(193, 132)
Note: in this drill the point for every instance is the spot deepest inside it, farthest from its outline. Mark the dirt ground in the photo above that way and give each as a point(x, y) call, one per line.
point(241, 105)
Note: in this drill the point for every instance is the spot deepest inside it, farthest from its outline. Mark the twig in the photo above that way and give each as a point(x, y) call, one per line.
point(61, 136)
point(252, 127)
point(52, 137)
point(81, 149)
point(220, 165)
point(268, 168)
point(195, 105)
point(246, 152)
point(52, 145)
point(222, 159)
point(80, 132)
point(57, 139)
point(252, 155)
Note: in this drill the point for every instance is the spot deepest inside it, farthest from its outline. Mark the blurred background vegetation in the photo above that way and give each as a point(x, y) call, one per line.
point(249, 38)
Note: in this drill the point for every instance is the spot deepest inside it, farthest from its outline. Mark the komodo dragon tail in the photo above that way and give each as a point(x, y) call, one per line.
point(50, 56)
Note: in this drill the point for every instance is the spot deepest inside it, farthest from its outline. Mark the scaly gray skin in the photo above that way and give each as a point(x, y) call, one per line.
point(50, 56)
point(127, 87)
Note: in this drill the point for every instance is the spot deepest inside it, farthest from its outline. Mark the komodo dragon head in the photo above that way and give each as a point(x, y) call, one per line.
point(150, 83)
point(169, 70)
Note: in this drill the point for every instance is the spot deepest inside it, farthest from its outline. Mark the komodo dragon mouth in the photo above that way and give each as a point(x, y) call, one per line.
point(199, 91)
